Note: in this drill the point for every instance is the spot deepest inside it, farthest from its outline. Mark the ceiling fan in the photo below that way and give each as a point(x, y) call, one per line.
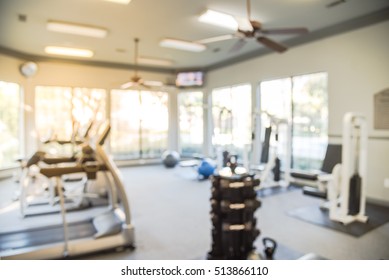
point(253, 29)
point(136, 80)
point(335, 3)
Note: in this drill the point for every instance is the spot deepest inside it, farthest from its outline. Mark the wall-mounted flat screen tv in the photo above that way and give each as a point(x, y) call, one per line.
point(190, 79)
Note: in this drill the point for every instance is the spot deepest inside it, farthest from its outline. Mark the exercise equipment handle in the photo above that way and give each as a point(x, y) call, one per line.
point(89, 167)
point(270, 247)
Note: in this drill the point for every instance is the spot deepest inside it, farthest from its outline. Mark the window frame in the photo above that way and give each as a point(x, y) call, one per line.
point(140, 155)
point(20, 125)
point(239, 149)
point(291, 118)
point(202, 117)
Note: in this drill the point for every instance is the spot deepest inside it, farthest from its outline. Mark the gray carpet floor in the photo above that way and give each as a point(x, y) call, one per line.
point(170, 211)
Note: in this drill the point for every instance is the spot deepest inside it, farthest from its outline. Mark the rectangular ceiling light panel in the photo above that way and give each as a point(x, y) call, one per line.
point(77, 29)
point(154, 61)
point(68, 51)
point(219, 19)
point(182, 45)
point(123, 2)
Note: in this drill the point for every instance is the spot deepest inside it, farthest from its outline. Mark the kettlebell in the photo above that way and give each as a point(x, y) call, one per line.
point(270, 247)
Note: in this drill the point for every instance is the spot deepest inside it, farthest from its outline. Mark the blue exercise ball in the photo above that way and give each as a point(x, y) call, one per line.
point(206, 168)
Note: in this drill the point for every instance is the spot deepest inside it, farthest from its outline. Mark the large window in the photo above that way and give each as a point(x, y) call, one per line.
point(64, 112)
point(190, 106)
point(139, 122)
point(10, 124)
point(275, 102)
point(231, 111)
point(303, 101)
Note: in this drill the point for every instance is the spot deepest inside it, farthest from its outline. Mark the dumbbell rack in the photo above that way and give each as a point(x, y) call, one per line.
point(233, 203)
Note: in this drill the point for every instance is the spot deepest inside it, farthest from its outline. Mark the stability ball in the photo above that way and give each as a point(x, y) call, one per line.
point(170, 158)
point(206, 168)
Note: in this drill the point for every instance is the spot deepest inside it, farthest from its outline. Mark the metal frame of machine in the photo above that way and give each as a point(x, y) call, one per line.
point(109, 230)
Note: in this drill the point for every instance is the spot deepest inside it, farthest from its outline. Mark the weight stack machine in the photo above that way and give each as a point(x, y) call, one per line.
point(233, 203)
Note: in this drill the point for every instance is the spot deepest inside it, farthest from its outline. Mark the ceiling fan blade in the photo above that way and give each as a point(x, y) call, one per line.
point(127, 85)
point(144, 86)
point(216, 39)
point(153, 83)
point(335, 3)
point(272, 44)
point(135, 86)
point(297, 30)
point(238, 45)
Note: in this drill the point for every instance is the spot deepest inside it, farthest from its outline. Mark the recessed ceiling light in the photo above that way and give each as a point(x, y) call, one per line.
point(154, 61)
point(76, 29)
point(182, 45)
point(219, 19)
point(124, 2)
point(68, 51)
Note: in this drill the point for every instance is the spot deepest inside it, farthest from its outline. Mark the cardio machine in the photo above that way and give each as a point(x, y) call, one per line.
point(39, 196)
point(107, 230)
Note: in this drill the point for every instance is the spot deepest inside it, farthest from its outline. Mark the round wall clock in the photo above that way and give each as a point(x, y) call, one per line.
point(28, 69)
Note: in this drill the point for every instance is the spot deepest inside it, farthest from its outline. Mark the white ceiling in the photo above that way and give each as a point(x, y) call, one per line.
point(152, 20)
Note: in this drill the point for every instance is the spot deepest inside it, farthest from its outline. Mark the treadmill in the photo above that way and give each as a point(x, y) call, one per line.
point(45, 201)
point(109, 230)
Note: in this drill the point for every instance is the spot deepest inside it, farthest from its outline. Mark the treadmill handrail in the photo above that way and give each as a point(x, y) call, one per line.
point(117, 177)
point(59, 171)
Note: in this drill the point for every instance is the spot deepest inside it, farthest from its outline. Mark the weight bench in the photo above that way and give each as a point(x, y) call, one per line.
point(332, 157)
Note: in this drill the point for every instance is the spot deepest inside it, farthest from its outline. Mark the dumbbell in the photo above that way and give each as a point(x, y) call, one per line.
point(226, 206)
point(237, 194)
point(249, 205)
point(217, 248)
point(239, 182)
point(237, 244)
